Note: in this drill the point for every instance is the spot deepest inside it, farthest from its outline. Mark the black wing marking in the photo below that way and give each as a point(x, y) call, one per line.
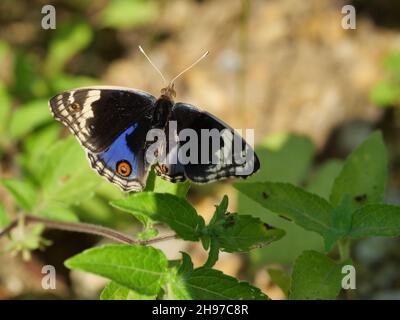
point(228, 164)
point(99, 115)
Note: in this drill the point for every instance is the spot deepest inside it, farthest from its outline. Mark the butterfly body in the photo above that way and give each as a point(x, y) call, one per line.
point(112, 124)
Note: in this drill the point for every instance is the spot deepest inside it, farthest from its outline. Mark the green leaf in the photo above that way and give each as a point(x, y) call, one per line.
point(114, 291)
point(305, 209)
point(322, 180)
point(241, 233)
point(27, 241)
point(341, 222)
point(158, 185)
point(209, 233)
point(5, 110)
point(23, 192)
point(65, 82)
point(210, 284)
point(69, 40)
point(364, 174)
point(176, 212)
point(124, 14)
point(57, 212)
point(385, 94)
point(4, 50)
point(98, 211)
point(25, 75)
point(186, 283)
point(175, 288)
point(376, 220)
point(392, 62)
point(213, 254)
point(281, 279)
point(139, 268)
point(180, 189)
point(205, 241)
point(4, 220)
point(33, 240)
point(66, 175)
point(28, 117)
point(36, 146)
point(276, 154)
point(236, 233)
point(219, 214)
point(315, 276)
point(186, 265)
point(139, 210)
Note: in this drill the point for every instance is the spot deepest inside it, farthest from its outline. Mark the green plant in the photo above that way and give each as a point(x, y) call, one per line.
point(140, 271)
point(61, 182)
point(354, 210)
point(277, 153)
point(145, 270)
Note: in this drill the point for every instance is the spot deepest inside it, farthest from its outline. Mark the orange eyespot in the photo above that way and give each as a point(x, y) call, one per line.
point(164, 169)
point(124, 168)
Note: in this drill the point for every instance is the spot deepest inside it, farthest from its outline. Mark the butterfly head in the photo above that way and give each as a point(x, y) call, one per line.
point(168, 92)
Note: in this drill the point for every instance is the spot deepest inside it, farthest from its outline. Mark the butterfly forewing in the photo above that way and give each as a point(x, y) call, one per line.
point(111, 123)
point(99, 115)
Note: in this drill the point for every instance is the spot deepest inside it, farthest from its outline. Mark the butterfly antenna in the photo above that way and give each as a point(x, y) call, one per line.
point(154, 66)
point(171, 84)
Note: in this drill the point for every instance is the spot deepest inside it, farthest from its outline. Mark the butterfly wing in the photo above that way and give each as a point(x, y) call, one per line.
point(233, 158)
point(111, 123)
point(167, 168)
point(123, 163)
point(99, 115)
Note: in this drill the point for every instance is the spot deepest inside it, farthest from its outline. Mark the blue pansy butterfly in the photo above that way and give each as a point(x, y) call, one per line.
point(112, 124)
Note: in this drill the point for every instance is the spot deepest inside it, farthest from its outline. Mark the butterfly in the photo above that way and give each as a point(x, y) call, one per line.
point(113, 124)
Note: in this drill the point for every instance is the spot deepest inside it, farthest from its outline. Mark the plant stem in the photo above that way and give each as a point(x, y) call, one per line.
point(344, 250)
point(83, 228)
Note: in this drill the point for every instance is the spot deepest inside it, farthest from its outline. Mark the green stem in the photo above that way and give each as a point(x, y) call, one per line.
point(344, 250)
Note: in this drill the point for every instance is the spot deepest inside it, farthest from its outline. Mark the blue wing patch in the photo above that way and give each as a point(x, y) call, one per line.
point(118, 152)
point(123, 162)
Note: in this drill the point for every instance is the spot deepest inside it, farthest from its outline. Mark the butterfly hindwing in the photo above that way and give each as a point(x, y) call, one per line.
point(99, 115)
point(123, 163)
point(167, 168)
point(227, 161)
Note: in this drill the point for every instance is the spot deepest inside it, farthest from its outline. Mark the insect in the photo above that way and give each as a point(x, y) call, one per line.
point(112, 125)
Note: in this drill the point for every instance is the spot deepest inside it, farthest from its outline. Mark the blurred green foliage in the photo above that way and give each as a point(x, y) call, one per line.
point(28, 134)
point(355, 209)
point(124, 14)
point(289, 158)
point(49, 177)
point(386, 93)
